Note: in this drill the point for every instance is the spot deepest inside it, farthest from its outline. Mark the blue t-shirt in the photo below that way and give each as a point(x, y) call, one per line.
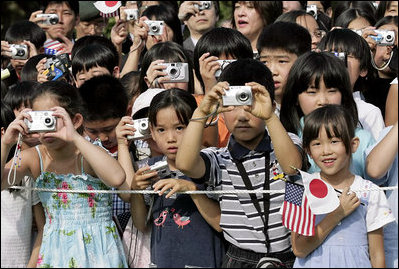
point(180, 235)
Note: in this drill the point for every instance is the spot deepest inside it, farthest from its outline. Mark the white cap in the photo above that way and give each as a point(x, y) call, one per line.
point(144, 99)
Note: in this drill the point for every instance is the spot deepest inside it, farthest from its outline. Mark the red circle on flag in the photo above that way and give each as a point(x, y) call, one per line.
point(318, 188)
point(110, 3)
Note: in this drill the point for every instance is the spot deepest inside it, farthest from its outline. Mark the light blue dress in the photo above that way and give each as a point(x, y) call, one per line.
point(347, 244)
point(79, 230)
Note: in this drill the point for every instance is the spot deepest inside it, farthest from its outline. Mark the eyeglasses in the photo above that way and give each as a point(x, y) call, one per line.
point(318, 33)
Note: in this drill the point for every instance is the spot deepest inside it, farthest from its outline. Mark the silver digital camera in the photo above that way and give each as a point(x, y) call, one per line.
point(178, 72)
point(142, 129)
point(312, 10)
point(204, 5)
point(132, 14)
point(156, 27)
point(50, 19)
point(384, 37)
point(161, 167)
point(19, 51)
point(237, 96)
point(42, 121)
point(223, 65)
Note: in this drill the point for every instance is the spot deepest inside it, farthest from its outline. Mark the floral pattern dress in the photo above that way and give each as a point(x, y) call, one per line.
point(79, 230)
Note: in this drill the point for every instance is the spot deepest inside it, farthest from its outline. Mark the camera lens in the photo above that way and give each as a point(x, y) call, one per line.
point(389, 38)
point(48, 121)
point(53, 20)
point(174, 72)
point(205, 5)
point(243, 97)
point(20, 52)
point(154, 28)
point(143, 126)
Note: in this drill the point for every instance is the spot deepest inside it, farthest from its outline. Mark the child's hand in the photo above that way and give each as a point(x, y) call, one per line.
point(208, 68)
point(214, 98)
point(348, 202)
point(32, 49)
point(155, 75)
point(65, 128)
point(40, 67)
point(122, 130)
point(17, 126)
point(5, 49)
point(142, 179)
point(262, 106)
point(174, 185)
point(366, 33)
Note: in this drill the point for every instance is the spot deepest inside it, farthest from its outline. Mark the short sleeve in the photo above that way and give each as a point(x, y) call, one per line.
point(378, 212)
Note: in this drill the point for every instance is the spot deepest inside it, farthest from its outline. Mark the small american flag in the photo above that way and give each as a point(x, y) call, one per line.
point(296, 214)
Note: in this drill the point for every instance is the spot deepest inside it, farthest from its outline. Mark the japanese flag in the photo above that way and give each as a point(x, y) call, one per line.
point(108, 8)
point(321, 196)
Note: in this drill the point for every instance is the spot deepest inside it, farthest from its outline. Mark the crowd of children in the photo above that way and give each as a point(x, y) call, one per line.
point(148, 150)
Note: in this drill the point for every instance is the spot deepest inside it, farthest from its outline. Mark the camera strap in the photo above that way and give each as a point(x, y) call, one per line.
point(266, 196)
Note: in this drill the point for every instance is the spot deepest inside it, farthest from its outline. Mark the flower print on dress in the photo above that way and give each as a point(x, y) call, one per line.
point(61, 198)
point(92, 199)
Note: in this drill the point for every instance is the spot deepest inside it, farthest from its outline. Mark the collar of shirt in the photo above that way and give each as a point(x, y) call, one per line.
point(238, 151)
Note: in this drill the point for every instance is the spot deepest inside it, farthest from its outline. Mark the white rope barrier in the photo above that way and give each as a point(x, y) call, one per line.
point(186, 192)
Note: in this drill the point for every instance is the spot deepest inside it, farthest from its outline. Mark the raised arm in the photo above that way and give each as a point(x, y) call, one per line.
point(286, 152)
point(98, 160)
point(188, 159)
point(383, 154)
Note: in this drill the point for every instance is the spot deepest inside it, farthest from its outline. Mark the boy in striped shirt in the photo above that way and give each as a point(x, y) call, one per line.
point(259, 144)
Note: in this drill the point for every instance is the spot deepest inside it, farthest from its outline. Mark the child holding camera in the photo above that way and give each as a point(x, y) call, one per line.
point(258, 146)
point(180, 233)
point(79, 230)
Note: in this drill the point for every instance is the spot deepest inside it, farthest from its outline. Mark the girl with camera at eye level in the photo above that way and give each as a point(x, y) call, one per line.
point(351, 235)
point(185, 228)
point(79, 230)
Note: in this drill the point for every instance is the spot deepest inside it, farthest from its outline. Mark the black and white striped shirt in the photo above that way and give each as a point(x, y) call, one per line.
point(242, 226)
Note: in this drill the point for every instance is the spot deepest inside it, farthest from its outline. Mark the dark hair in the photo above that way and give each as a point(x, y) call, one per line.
point(66, 95)
point(7, 114)
point(216, 43)
point(161, 13)
point(171, 5)
point(182, 101)
point(130, 81)
point(383, 6)
point(287, 36)
point(26, 30)
point(292, 16)
point(350, 15)
point(268, 10)
point(170, 52)
point(387, 20)
point(29, 71)
point(345, 40)
point(94, 55)
point(341, 6)
point(74, 5)
point(308, 67)
point(248, 70)
point(93, 39)
point(21, 95)
point(104, 98)
point(337, 122)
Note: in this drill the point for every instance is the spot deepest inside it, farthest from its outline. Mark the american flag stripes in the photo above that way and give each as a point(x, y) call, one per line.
point(296, 214)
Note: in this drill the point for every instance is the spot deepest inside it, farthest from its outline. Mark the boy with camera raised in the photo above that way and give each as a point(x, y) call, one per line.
point(258, 146)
